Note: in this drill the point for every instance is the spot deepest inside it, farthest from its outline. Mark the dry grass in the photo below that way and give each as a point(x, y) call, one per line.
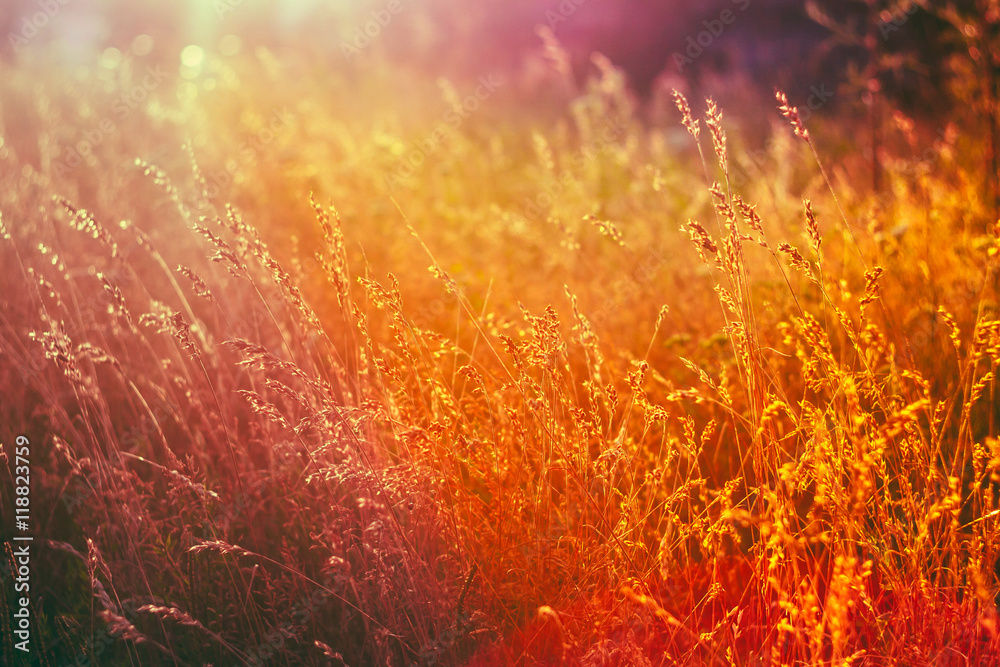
point(668, 421)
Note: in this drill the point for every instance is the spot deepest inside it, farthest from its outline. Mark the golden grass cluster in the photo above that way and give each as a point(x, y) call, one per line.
point(298, 416)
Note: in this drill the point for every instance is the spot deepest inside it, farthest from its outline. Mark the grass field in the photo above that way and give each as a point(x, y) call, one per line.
point(316, 368)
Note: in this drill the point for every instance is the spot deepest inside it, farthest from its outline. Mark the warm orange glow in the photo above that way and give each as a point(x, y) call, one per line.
point(503, 333)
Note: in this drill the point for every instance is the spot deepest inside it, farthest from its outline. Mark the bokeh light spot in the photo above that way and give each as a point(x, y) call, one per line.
point(192, 56)
point(142, 45)
point(111, 58)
